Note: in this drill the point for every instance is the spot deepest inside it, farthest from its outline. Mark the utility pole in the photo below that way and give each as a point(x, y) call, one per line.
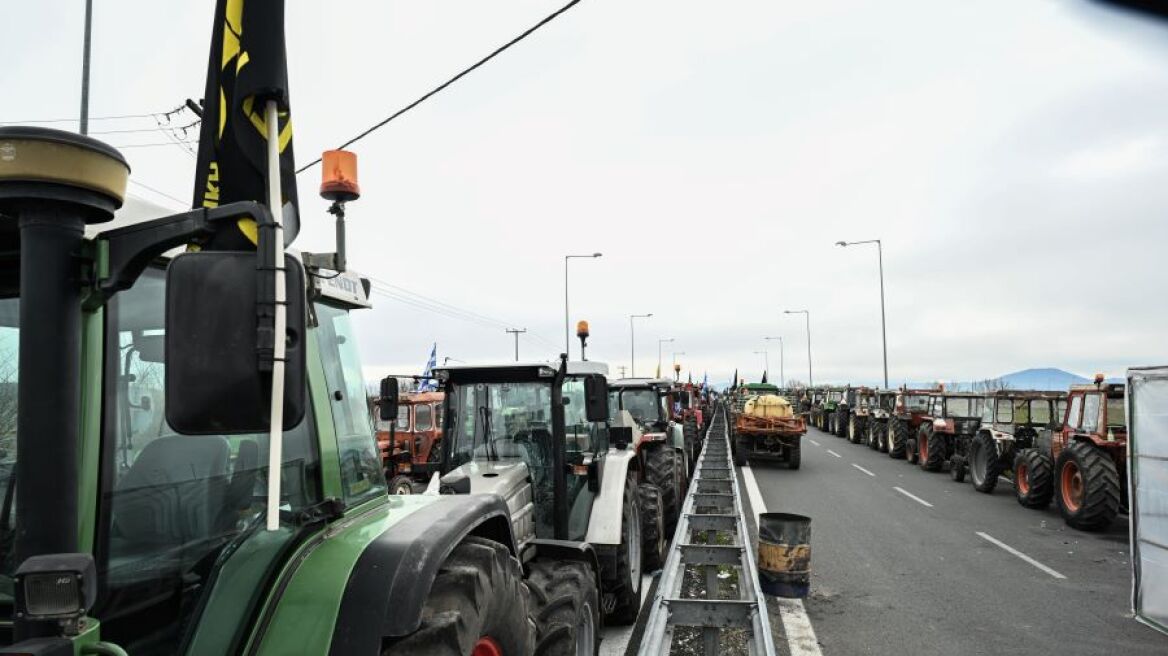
point(85, 68)
point(807, 314)
point(623, 369)
point(517, 332)
point(567, 330)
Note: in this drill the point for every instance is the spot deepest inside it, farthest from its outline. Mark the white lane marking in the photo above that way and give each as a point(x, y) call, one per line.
point(913, 496)
point(801, 640)
point(862, 469)
point(834, 453)
point(1021, 555)
point(814, 442)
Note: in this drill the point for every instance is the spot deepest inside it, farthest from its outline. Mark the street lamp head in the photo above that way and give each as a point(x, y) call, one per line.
point(841, 243)
point(597, 254)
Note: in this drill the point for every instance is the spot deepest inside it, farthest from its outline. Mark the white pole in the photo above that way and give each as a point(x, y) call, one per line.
point(276, 419)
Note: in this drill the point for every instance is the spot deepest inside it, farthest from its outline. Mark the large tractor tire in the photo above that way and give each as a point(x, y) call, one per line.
point(653, 535)
point(931, 449)
point(690, 431)
point(662, 471)
point(740, 451)
point(401, 485)
point(477, 603)
point(1088, 487)
point(625, 580)
point(855, 429)
point(873, 435)
point(984, 464)
point(1033, 478)
point(567, 608)
point(898, 434)
point(795, 456)
point(841, 423)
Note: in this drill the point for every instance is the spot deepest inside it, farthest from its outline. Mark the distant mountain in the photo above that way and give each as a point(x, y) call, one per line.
point(1043, 379)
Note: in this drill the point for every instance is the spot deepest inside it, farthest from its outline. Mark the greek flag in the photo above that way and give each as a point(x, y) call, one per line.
point(705, 380)
point(427, 384)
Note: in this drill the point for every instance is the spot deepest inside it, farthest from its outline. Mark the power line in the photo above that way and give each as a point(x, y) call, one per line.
point(451, 81)
point(157, 191)
point(153, 145)
point(158, 128)
point(113, 117)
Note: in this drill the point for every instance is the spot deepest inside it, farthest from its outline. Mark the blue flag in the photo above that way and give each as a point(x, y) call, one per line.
point(705, 379)
point(427, 384)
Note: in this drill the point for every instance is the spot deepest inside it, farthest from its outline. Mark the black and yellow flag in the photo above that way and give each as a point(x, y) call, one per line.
point(248, 67)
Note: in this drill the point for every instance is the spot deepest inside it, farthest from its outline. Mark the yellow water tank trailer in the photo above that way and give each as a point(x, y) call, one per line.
point(768, 406)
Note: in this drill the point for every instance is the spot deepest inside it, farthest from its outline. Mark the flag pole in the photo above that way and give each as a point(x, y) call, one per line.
point(276, 418)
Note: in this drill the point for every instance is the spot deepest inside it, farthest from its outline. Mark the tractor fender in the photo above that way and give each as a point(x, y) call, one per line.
point(388, 585)
point(604, 525)
point(567, 550)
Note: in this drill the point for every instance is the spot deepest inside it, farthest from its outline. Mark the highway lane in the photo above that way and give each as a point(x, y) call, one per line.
point(908, 561)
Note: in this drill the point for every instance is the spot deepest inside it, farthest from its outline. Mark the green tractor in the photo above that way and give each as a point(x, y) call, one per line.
point(539, 436)
point(140, 513)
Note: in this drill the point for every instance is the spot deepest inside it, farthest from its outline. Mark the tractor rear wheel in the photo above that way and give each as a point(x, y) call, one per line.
point(898, 434)
point(841, 423)
point(740, 449)
point(653, 536)
point(873, 433)
point(852, 431)
point(566, 604)
point(1033, 478)
point(1088, 485)
point(885, 436)
point(930, 449)
point(477, 603)
point(661, 471)
point(984, 465)
point(401, 485)
point(625, 582)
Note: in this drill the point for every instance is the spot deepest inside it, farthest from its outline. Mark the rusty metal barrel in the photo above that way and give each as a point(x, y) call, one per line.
point(784, 554)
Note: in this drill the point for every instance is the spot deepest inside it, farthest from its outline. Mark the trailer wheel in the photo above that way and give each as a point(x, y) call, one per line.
point(899, 436)
point(653, 535)
point(477, 603)
point(626, 583)
point(984, 465)
point(740, 450)
point(567, 607)
point(401, 485)
point(1033, 478)
point(661, 471)
point(1088, 485)
point(795, 456)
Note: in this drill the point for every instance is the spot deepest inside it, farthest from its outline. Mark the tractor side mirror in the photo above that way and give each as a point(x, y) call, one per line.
point(388, 400)
point(214, 382)
point(596, 398)
point(620, 436)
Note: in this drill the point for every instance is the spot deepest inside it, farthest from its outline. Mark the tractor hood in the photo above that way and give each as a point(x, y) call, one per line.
point(511, 480)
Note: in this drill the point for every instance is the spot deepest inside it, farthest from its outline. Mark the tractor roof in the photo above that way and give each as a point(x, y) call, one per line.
point(640, 382)
point(516, 370)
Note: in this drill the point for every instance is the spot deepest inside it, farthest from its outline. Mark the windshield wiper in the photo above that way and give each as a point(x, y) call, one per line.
point(492, 449)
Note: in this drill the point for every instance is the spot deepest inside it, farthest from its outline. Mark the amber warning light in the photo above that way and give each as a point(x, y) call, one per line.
point(582, 329)
point(338, 176)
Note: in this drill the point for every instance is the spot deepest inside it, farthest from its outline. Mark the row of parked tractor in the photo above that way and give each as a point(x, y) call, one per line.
point(1069, 447)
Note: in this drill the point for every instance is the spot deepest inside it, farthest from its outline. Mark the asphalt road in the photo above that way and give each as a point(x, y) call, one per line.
point(892, 575)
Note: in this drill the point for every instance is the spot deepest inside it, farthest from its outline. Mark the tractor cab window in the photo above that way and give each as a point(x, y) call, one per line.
point(1090, 422)
point(171, 504)
point(423, 417)
point(9, 380)
point(643, 404)
point(963, 406)
point(1040, 411)
point(1076, 406)
point(1004, 410)
point(582, 436)
point(1116, 412)
point(361, 476)
point(987, 412)
point(403, 417)
point(1021, 411)
point(916, 403)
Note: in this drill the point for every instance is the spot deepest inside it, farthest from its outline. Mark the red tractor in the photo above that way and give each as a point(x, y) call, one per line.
point(1084, 464)
point(909, 412)
point(683, 401)
point(410, 445)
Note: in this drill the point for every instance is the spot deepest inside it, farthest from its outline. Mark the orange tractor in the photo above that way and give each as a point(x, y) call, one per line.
point(410, 445)
point(1084, 464)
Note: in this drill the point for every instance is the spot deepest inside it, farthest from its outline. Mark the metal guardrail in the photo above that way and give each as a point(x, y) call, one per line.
point(689, 594)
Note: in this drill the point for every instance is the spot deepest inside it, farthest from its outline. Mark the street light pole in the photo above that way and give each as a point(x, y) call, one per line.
point(659, 343)
point(782, 378)
point(517, 332)
point(567, 330)
point(883, 328)
point(633, 343)
point(766, 360)
point(84, 123)
point(810, 380)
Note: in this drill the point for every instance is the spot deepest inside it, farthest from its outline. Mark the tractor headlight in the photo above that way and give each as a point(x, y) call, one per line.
point(56, 586)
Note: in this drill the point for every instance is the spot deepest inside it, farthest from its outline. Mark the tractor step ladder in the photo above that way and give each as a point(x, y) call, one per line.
point(688, 606)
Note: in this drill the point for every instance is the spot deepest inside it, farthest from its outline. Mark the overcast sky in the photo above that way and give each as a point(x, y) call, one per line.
point(1010, 153)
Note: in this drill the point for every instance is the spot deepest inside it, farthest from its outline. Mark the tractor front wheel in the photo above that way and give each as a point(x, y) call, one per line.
point(477, 603)
point(653, 536)
point(662, 471)
point(1088, 485)
point(1033, 478)
point(401, 485)
point(931, 449)
point(625, 582)
point(567, 607)
point(984, 465)
point(898, 434)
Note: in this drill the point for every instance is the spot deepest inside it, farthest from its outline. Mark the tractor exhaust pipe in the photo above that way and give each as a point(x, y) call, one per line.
point(52, 183)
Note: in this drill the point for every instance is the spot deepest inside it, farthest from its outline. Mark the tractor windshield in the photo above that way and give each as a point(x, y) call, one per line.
point(1116, 412)
point(644, 404)
point(499, 421)
point(916, 403)
point(962, 406)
